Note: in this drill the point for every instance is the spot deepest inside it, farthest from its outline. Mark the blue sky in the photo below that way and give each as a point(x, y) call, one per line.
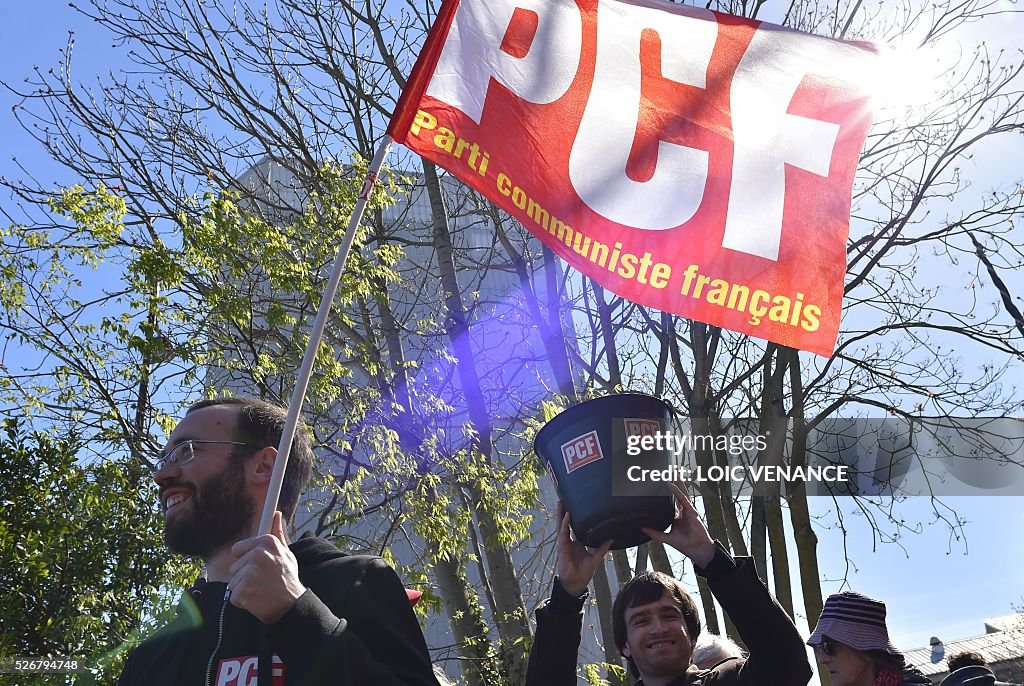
point(31, 35)
point(937, 587)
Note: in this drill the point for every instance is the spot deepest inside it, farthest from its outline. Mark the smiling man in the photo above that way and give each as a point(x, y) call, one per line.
point(267, 612)
point(655, 621)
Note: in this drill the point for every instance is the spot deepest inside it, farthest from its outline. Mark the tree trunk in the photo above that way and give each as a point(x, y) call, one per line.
point(623, 572)
point(758, 539)
point(730, 518)
point(509, 614)
point(642, 556)
point(551, 333)
point(604, 314)
point(780, 555)
point(456, 324)
point(659, 558)
point(707, 601)
point(398, 390)
point(558, 320)
point(603, 594)
point(700, 409)
point(773, 427)
point(799, 513)
point(806, 539)
point(467, 624)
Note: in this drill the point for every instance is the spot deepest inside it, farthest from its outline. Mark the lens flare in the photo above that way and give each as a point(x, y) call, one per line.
point(904, 78)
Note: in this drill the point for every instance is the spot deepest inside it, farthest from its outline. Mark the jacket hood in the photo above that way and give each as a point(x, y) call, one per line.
point(312, 552)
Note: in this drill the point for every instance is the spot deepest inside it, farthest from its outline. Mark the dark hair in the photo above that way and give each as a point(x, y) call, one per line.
point(965, 659)
point(262, 423)
point(647, 588)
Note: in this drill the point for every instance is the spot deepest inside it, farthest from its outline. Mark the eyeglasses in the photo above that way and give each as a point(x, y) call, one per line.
point(185, 452)
point(827, 646)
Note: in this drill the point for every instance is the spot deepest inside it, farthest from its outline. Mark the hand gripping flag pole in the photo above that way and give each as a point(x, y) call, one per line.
point(316, 335)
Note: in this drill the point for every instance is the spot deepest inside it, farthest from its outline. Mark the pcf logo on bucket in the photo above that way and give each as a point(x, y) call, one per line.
point(581, 450)
point(642, 427)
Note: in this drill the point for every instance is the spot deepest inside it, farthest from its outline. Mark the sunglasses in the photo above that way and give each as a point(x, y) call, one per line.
point(827, 646)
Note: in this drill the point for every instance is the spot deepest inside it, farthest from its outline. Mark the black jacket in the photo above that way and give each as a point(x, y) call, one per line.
point(972, 675)
point(777, 655)
point(353, 625)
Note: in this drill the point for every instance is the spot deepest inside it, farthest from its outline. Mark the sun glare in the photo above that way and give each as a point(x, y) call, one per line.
point(905, 78)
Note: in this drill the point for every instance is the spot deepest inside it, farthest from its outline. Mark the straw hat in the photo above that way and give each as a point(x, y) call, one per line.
point(854, 620)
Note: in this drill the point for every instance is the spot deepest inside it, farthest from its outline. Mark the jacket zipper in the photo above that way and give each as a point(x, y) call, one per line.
point(220, 636)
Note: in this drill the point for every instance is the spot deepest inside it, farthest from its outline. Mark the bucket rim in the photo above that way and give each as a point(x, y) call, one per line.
point(635, 394)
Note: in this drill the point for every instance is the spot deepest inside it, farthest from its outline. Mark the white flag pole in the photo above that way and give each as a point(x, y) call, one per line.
point(316, 335)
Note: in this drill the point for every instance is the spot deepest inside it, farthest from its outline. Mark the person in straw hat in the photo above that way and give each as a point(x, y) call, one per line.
point(852, 643)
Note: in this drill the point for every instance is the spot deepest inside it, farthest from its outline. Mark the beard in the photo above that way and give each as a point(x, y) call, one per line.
point(219, 514)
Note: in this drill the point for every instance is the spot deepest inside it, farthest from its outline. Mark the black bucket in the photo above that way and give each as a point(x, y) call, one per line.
point(581, 445)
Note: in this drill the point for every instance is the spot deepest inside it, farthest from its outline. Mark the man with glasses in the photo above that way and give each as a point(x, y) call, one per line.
point(655, 620)
point(267, 612)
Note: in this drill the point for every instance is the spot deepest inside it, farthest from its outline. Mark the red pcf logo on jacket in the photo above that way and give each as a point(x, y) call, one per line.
point(244, 671)
point(581, 450)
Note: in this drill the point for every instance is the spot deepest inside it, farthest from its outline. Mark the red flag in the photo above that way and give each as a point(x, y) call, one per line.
point(692, 161)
